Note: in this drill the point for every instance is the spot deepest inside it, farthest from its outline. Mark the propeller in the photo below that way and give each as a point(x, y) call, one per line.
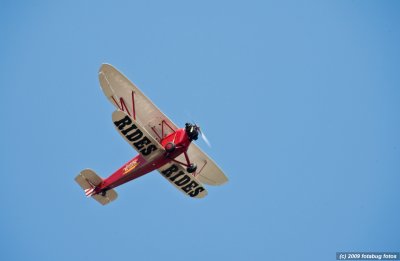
point(203, 136)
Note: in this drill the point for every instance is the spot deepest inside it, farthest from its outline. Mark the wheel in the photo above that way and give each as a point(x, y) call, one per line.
point(170, 147)
point(192, 168)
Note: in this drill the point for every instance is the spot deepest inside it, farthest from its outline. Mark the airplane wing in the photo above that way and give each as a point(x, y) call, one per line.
point(137, 136)
point(208, 171)
point(126, 97)
point(185, 182)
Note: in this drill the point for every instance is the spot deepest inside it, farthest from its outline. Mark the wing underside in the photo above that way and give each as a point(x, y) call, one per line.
point(208, 171)
point(136, 136)
point(183, 181)
point(125, 96)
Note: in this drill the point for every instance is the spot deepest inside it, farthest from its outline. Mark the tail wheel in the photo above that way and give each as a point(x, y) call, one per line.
point(192, 168)
point(170, 147)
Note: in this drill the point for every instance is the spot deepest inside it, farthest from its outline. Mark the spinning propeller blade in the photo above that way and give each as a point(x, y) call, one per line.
point(203, 136)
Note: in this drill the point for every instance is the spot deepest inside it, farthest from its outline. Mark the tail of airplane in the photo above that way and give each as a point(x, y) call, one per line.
point(89, 180)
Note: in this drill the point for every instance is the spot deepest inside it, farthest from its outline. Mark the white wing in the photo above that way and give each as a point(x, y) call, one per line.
point(125, 96)
point(208, 171)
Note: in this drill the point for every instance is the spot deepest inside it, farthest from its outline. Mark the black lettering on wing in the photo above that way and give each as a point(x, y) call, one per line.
point(170, 170)
point(142, 143)
point(190, 186)
point(180, 173)
point(135, 135)
point(183, 181)
point(123, 122)
point(147, 151)
point(196, 192)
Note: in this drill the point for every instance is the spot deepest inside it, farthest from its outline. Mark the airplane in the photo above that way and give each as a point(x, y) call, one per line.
point(160, 143)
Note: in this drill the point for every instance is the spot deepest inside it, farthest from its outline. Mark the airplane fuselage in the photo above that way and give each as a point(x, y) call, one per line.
point(138, 166)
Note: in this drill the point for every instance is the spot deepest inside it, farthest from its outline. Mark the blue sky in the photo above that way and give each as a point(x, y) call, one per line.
point(300, 100)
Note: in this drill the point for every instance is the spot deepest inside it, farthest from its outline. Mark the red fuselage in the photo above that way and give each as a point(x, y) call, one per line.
point(138, 166)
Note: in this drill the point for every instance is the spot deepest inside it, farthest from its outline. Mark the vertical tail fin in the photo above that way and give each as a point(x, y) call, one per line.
point(89, 180)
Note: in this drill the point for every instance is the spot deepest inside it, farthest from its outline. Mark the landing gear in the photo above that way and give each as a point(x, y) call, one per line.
point(192, 168)
point(170, 147)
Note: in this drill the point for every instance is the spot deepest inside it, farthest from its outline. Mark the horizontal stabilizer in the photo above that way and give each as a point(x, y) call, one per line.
point(108, 197)
point(88, 180)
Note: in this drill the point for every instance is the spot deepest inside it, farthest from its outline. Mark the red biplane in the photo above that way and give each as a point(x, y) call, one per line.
point(160, 143)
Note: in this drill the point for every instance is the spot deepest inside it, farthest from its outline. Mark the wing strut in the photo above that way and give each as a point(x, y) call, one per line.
point(123, 106)
point(163, 134)
point(190, 167)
